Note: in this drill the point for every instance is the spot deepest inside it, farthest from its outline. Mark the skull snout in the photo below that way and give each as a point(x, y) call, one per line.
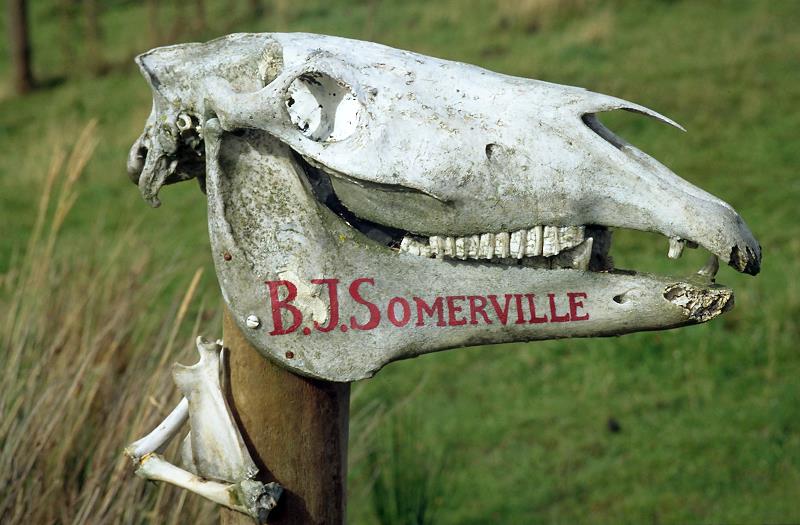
point(745, 253)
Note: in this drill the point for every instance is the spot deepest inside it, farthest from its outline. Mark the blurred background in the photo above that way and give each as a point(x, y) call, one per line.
point(99, 293)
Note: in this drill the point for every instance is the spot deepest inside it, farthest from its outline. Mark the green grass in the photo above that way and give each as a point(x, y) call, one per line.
point(709, 416)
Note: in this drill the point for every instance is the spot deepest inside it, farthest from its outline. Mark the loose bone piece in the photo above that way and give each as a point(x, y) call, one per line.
point(221, 467)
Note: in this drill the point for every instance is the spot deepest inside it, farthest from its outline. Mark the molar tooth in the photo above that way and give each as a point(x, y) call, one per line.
point(461, 251)
point(414, 247)
point(486, 250)
point(450, 246)
point(501, 244)
point(570, 236)
point(534, 242)
point(550, 245)
point(676, 247)
point(437, 246)
point(516, 247)
point(473, 246)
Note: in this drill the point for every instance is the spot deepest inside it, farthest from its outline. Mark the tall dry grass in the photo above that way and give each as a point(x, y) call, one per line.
point(83, 368)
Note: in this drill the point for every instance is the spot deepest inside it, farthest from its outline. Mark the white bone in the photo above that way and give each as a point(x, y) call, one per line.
point(321, 153)
point(246, 496)
point(218, 450)
point(218, 465)
point(162, 434)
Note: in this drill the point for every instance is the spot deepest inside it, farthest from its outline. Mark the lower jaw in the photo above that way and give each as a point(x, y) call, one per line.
point(334, 305)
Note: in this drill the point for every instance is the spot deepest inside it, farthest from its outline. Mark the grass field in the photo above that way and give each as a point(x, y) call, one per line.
point(706, 419)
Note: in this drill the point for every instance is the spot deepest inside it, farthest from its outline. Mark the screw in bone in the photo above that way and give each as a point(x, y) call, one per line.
point(252, 321)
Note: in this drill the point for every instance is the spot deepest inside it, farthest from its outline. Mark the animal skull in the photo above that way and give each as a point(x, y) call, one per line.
point(368, 204)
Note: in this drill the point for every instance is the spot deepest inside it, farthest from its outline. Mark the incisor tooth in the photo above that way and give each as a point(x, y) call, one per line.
point(486, 250)
point(676, 247)
point(550, 244)
point(501, 244)
point(534, 242)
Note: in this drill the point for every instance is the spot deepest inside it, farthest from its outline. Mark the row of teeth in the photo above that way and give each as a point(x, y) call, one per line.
point(539, 241)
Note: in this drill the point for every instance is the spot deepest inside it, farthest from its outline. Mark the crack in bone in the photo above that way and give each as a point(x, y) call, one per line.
point(699, 304)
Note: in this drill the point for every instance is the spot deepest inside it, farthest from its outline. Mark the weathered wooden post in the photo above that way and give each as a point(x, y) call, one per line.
point(299, 425)
point(367, 205)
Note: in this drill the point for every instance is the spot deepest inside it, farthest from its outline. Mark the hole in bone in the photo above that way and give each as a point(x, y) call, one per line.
point(619, 299)
point(490, 150)
point(322, 108)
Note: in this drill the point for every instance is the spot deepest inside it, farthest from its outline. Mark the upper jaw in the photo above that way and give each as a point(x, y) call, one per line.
point(626, 188)
point(174, 152)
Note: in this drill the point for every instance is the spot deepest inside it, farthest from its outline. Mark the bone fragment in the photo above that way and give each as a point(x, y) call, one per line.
point(218, 449)
point(248, 496)
point(218, 465)
point(550, 242)
point(676, 247)
point(501, 245)
point(187, 458)
point(162, 433)
point(534, 242)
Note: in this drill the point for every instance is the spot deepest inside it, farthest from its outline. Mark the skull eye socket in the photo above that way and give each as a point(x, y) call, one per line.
point(322, 108)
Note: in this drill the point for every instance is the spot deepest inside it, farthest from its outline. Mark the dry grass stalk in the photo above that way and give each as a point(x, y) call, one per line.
point(81, 353)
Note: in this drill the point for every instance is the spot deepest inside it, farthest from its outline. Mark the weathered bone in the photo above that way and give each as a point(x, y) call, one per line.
point(218, 464)
point(346, 178)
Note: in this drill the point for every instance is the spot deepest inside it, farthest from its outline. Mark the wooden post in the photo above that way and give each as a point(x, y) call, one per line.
point(296, 430)
point(19, 45)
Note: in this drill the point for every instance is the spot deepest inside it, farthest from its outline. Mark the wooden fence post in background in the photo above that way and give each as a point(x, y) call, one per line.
point(296, 430)
point(19, 45)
